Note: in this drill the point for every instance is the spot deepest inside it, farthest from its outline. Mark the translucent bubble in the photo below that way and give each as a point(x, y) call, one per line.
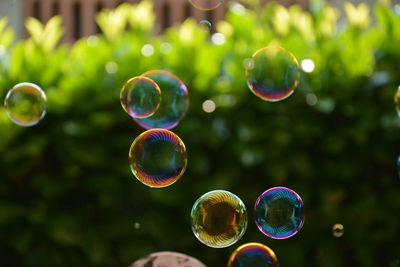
point(167, 259)
point(174, 101)
point(279, 213)
point(219, 219)
point(208, 106)
point(397, 100)
point(253, 255)
point(273, 74)
point(25, 104)
point(158, 158)
point(398, 166)
point(338, 230)
point(205, 4)
point(140, 97)
point(205, 25)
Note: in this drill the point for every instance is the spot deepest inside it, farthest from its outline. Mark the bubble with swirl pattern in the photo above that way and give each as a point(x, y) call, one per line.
point(219, 219)
point(253, 255)
point(158, 158)
point(174, 101)
point(272, 73)
point(279, 212)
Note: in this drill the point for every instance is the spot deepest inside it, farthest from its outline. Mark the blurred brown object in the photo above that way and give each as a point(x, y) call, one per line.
point(167, 259)
point(79, 15)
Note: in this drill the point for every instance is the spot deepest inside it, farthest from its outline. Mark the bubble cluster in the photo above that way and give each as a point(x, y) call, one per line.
point(219, 219)
point(174, 101)
point(338, 230)
point(279, 212)
point(273, 73)
point(205, 4)
point(158, 158)
point(253, 255)
point(25, 104)
point(140, 97)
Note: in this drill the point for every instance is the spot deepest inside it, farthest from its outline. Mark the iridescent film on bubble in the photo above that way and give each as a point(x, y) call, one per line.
point(158, 158)
point(253, 255)
point(206, 4)
point(273, 73)
point(279, 212)
point(174, 101)
point(25, 104)
point(140, 97)
point(219, 219)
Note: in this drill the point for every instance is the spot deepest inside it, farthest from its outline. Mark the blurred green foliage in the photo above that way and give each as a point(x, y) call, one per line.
point(68, 198)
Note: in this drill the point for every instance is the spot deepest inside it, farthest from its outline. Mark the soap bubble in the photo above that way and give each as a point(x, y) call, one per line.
point(174, 101)
point(397, 100)
point(338, 230)
point(25, 104)
point(279, 213)
point(140, 97)
point(205, 25)
point(167, 259)
point(205, 4)
point(253, 255)
point(273, 73)
point(158, 158)
point(219, 219)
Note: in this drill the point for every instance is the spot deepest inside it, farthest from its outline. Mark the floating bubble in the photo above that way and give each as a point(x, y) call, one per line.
point(279, 213)
point(174, 101)
point(167, 259)
point(219, 219)
point(205, 4)
point(140, 97)
point(273, 73)
point(397, 100)
point(338, 230)
point(398, 166)
point(25, 104)
point(253, 255)
point(205, 25)
point(158, 158)
point(208, 106)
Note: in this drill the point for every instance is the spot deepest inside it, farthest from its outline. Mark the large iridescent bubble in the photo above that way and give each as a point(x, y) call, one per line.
point(25, 104)
point(279, 212)
point(272, 73)
point(158, 158)
point(253, 255)
point(174, 101)
point(140, 97)
point(219, 219)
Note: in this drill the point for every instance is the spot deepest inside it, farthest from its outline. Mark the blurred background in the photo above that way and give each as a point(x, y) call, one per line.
point(67, 195)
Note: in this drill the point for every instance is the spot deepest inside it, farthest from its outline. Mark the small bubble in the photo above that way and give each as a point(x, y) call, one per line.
point(166, 48)
point(237, 8)
point(208, 106)
point(338, 230)
point(136, 225)
point(311, 99)
point(205, 25)
point(147, 50)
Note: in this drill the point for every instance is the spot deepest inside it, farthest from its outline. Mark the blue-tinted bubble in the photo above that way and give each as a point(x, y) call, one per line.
point(253, 255)
point(174, 101)
point(158, 158)
point(279, 213)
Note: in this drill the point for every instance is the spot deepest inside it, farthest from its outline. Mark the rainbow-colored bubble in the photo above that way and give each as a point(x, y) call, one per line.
point(25, 104)
point(272, 73)
point(174, 101)
point(279, 212)
point(158, 158)
point(205, 5)
point(140, 97)
point(253, 255)
point(219, 219)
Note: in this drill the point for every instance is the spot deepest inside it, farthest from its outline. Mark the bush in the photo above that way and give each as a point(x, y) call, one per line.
point(68, 198)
